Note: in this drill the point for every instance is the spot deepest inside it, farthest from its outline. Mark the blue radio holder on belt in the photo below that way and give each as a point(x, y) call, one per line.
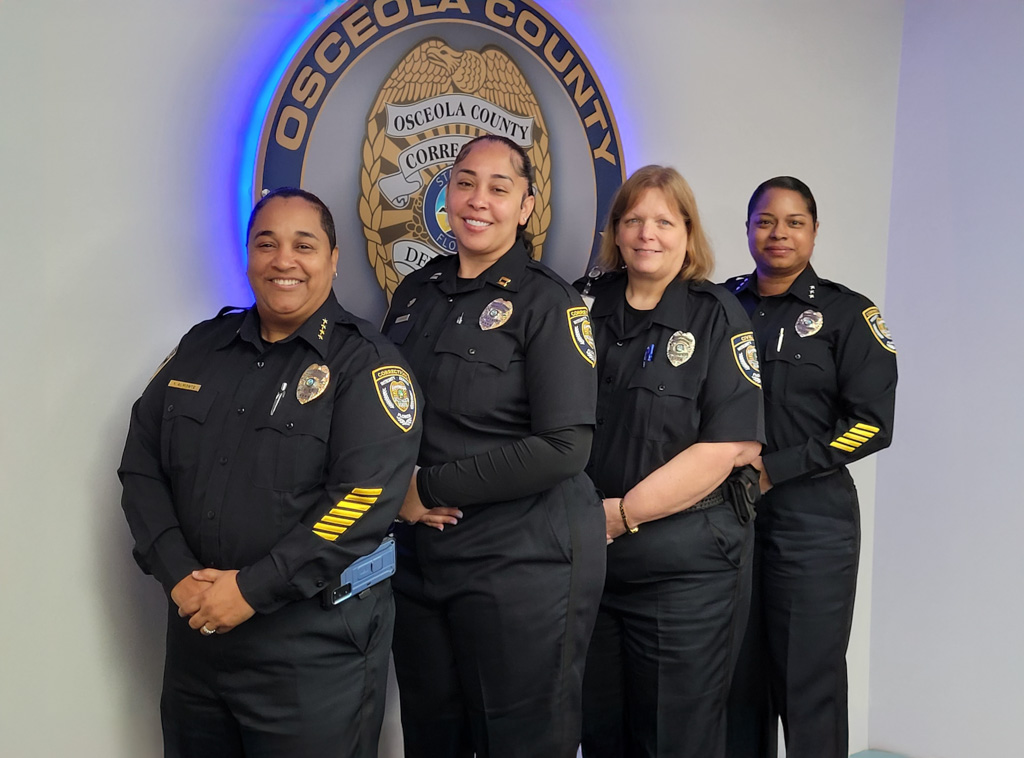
point(365, 572)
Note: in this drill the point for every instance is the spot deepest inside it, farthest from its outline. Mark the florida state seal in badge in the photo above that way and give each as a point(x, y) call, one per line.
point(497, 312)
point(396, 394)
point(312, 383)
point(680, 348)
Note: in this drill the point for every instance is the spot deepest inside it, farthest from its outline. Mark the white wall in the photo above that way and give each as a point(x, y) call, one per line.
point(119, 128)
point(946, 659)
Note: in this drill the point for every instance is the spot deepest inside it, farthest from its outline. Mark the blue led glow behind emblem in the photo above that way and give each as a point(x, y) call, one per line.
point(251, 138)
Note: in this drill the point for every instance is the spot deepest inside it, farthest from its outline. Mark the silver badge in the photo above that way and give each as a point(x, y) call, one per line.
point(680, 348)
point(496, 313)
point(809, 322)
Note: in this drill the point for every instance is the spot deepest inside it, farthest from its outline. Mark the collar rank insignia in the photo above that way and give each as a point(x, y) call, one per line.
point(396, 395)
point(744, 350)
point(323, 329)
point(312, 383)
point(878, 328)
point(680, 348)
point(809, 322)
point(504, 281)
point(496, 313)
point(582, 333)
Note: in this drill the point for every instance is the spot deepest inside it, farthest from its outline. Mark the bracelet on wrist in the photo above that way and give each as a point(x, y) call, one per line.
point(625, 523)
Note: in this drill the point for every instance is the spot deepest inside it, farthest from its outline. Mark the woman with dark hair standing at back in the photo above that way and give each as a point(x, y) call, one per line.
point(502, 557)
point(829, 372)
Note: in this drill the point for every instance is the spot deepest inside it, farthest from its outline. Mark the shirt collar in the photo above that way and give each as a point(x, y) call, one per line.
point(316, 330)
point(804, 287)
point(506, 273)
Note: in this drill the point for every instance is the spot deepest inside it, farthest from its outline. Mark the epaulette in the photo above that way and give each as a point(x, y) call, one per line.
point(736, 283)
point(733, 310)
point(230, 309)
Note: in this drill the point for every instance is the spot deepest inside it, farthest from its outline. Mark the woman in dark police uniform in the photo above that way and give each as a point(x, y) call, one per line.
point(265, 456)
point(501, 563)
point(678, 419)
point(829, 368)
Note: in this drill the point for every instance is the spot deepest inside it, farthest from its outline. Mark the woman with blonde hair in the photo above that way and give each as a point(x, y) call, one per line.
point(679, 417)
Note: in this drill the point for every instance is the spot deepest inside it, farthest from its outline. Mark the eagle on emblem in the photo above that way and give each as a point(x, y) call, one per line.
point(431, 104)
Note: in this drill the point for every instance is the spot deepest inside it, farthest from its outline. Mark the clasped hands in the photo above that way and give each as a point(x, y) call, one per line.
point(211, 601)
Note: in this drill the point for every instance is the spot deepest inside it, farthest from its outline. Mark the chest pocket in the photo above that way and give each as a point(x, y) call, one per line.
point(291, 448)
point(181, 432)
point(663, 401)
point(804, 366)
point(468, 370)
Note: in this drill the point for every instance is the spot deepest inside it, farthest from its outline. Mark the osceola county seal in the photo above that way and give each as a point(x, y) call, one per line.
point(445, 71)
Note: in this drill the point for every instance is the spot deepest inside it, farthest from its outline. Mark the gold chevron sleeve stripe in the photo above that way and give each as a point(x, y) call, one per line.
point(344, 513)
point(867, 428)
point(330, 528)
point(367, 491)
point(338, 521)
point(849, 440)
point(325, 535)
point(841, 446)
point(361, 499)
point(347, 503)
point(858, 436)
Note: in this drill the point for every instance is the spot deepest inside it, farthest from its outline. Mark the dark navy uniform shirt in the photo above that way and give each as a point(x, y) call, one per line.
point(650, 410)
point(226, 467)
point(501, 357)
point(829, 372)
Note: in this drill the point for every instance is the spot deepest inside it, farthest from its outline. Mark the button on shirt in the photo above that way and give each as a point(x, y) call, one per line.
point(829, 373)
point(226, 467)
point(650, 410)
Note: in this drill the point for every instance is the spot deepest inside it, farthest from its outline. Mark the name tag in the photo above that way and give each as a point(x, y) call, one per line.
point(184, 385)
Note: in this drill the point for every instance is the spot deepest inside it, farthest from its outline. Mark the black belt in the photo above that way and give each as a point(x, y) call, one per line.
point(715, 498)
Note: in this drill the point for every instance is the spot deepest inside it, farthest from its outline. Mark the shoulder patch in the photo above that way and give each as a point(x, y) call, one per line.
point(878, 328)
point(164, 362)
point(582, 333)
point(744, 350)
point(396, 395)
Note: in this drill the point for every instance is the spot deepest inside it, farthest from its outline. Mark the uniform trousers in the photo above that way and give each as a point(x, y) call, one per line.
point(300, 682)
point(793, 660)
point(490, 645)
point(667, 636)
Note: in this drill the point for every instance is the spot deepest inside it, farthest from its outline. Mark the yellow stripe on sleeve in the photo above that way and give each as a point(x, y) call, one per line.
point(344, 513)
point(859, 436)
point(331, 528)
point(867, 428)
point(325, 535)
point(841, 446)
point(347, 503)
point(336, 520)
point(367, 491)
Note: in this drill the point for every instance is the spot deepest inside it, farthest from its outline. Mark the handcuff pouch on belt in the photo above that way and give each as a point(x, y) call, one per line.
point(743, 487)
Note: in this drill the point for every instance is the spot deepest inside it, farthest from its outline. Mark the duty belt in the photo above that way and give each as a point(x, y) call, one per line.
point(715, 498)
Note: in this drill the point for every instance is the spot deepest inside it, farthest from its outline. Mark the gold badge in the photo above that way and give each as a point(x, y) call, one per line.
point(395, 392)
point(809, 322)
point(582, 333)
point(312, 383)
point(495, 314)
point(680, 348)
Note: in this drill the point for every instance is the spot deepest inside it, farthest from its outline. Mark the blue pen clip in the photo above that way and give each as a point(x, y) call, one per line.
point(648, 355)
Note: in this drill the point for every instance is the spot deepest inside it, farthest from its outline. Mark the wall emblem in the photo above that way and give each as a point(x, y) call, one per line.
point(378, 100)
